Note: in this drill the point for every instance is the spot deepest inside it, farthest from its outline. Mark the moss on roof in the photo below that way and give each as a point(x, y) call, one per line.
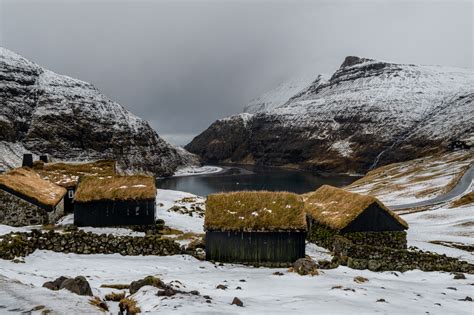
point(96, 188)
point(67, 174)
point(337, 208)
point(26, 182)
point(255, 211)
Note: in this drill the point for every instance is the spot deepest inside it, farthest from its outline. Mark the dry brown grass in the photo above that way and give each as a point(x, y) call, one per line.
point(464, 200)
point(135, 187)
point(67, 174)
point(129, 305)
point(255, 211)
point(115, 296)
point(102, 305)
point(28, 183)
point(336, 207)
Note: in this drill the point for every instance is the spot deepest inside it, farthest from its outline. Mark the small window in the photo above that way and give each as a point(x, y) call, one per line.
point(70, 194)
point(137, 210)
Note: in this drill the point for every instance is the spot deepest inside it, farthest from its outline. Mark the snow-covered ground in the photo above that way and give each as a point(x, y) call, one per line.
point(262, 292)
point(415, 180)
point(198, 170)
point(443, 224)
point(332, 292)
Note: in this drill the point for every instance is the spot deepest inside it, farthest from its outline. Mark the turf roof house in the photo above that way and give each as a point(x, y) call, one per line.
point(26, 199)
point(67, 174)
point(258, 228)
point(115, 201)
point(362, 219)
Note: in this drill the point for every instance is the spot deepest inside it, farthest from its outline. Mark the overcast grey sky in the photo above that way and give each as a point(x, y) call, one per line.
point(183, 64)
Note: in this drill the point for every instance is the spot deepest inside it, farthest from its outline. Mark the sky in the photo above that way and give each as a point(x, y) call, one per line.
point(183, 64)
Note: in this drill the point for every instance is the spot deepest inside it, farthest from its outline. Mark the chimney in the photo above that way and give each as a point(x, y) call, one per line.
point(44, 158)
point(27, 160)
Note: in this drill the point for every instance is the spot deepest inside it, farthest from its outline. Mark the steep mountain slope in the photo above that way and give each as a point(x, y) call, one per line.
point(69, 119)
point(279, 95)
point(368, 113)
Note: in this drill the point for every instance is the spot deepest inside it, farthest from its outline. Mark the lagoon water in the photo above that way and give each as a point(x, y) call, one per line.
point(254, 178)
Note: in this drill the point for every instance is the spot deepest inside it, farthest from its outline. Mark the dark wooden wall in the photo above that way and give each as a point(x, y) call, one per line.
point(114, 213)
point(374, 219)
point(256, 248)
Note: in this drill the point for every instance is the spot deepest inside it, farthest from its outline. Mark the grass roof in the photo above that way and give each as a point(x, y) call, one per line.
point(337, 208)
point(67, 174)
point(134, 187)
point(28, 183)
point(255, 211)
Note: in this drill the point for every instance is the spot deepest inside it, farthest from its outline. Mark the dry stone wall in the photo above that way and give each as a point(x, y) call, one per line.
point(377, 258)
point(22, 244)
point(15, 211)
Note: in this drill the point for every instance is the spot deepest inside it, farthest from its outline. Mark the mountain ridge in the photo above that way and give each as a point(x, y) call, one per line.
point(69, 119)
point(367, 107)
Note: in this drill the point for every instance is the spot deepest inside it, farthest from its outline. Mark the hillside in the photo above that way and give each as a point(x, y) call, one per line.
point(369, 113)
point(47, 113)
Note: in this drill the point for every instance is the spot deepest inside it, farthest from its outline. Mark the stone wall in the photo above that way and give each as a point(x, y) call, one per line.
point(22, 244)
point(377, 258)
point(392, 239)
point(324, 237)
point(15, 211)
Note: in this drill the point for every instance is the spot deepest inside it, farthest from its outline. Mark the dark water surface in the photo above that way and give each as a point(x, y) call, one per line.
point(253, 178)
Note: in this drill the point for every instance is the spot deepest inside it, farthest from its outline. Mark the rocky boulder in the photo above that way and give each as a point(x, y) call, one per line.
point(78, 285)
point(306, 266)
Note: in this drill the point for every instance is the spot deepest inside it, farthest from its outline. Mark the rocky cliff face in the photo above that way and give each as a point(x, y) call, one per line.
point(69, 119)
point(368, 113)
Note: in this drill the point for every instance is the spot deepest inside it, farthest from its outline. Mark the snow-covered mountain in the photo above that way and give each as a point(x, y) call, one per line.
point(278, 96)
point(44, 112)
point(369, 112)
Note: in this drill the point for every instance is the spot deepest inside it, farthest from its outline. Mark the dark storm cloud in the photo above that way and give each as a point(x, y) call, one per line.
point(183, 64)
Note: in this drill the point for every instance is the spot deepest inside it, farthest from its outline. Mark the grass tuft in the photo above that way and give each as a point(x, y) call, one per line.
point(135, 187)
point(255, 211)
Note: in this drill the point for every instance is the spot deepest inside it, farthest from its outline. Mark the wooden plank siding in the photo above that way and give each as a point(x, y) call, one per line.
point(114, 213)
point(255, 248)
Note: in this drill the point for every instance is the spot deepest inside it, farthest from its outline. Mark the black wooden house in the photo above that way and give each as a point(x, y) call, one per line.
point(67, 174)
point(257, 228)
point(361, 218)
point(115, 201)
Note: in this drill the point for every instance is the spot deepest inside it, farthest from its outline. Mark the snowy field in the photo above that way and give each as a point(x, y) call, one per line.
point(414, 180)
point(262, 292)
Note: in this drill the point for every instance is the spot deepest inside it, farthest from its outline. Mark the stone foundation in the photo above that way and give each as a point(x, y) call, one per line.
point(22, 244)
point(376, 258)
point(15, 211)
point(324, 237)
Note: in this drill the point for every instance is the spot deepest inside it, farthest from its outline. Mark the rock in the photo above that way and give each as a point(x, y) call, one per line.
point(381, 300)
point(150, 280)
point(237, 301)
point(221, 287)
point(467, 298)
point(54, 285)
point(459, 276)
point(194, 292)
point(166, 292)
point(331, 134)
point(374, 265)
point(305, 266)
point(278, 273)
point(47, 113)
point(238, 288)
point(357, 263)
point(195, 244)
point(78, 285)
